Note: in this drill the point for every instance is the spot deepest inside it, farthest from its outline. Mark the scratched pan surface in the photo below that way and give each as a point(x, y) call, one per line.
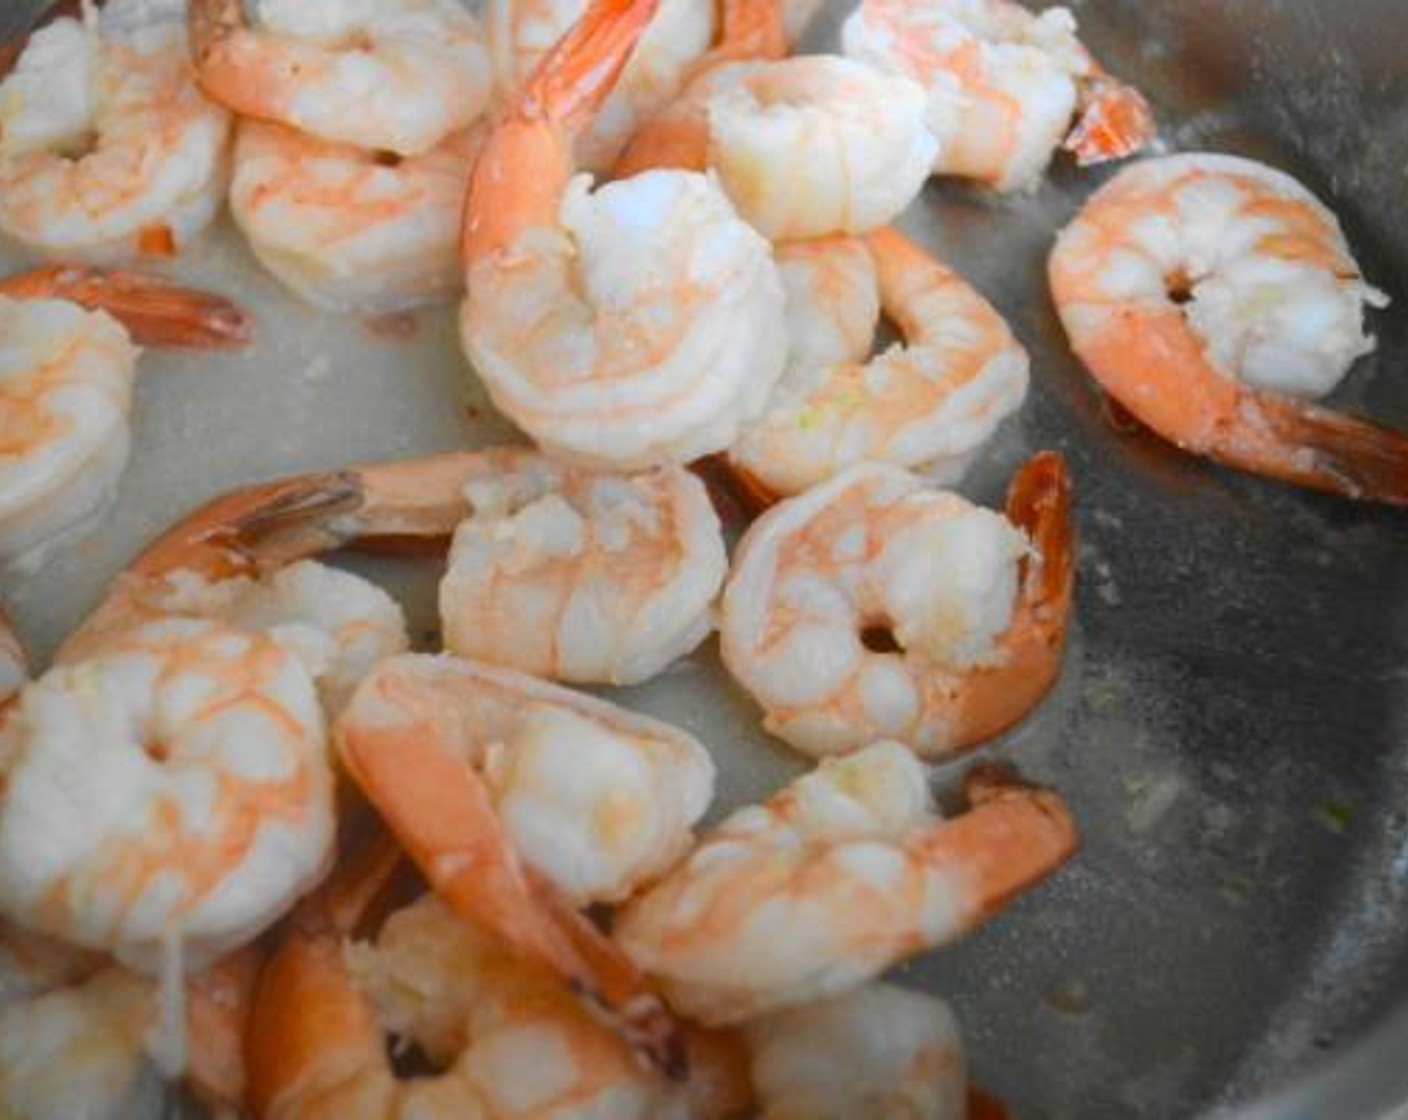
point(1232, 724)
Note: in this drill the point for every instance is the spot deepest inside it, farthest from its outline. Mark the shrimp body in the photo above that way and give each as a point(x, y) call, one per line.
point(635, 325)
point(875, 552)
point(520, 33)
point(1003, 85)
point(78, 1051)
point(841, 874)
point(509, 1040)
point(67, 366)
point(928, 403)
point(395, 75)
point(817, 145)
point(1209, 295)
point(171, 795)
point(580, 576)
point(877, 1051)
point(595, 798)
point(66, 378)
point(82, 1040)
point(108, 150)
point(347, 229)
point(336, 623)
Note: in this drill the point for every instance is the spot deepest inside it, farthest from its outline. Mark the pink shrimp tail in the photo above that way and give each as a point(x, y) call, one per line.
point(1335, 452)
point(155, 311)
point(1115, 122)
point(526, 159)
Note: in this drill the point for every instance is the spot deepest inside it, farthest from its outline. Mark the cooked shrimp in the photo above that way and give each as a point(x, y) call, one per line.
point(841, 874)
point(166, 799)
point(66, 378)
point(804, 147)
point(348, 228)
point(506, 1038)
point(633, 326)
point(520, 33)
point(78, 1052)
point(873, 606)
point(1206, 293)
point(395, 75)
point(928, 404)
point(107, 148)
point(877, 1051)
point(1003, 85)
point(580, 576)
point(595, 798)
point(86, 1045)
point(337, 624)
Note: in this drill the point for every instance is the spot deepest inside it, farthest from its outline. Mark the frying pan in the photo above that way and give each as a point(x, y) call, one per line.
point(1231, 727)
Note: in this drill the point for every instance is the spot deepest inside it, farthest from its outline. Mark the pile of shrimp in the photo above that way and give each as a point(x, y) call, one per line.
point(257, 849)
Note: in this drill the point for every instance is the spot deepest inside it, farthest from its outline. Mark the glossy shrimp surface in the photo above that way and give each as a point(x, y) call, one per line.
point(631, 326)
point(108, 150)
point(166, 799)
point(348, 228)
point(875, 1051)
point(817, 145)
point(594, 797)
point(67, 366)
point(1004, 85)
point(1210, 296)
point(581, 576)
point(927, 403)
point(874, 606)
point(841, 874)
point(395, 75)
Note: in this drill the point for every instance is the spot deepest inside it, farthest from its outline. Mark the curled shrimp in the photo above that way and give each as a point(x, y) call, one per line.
point(504, 1037)
point(414, 737)
point(581, 576)
point(873, 606)
point(348, 228)
point(804, 147)
point(84, 1040)
point(1207, 294)
point(633, 326)
point(166, 799)
point(1003, 84)
point(67, 364)
point(397, 76)
point(108, 149)
point(841, 874)
point(877, 1051)
point(928, 403)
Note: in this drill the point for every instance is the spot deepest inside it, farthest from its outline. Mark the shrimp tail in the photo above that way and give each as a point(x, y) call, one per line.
point(530, 148)
point(1115, 121)
point(1328, 450)
point(1013, 835)
point(440, 810)
point(1038, 503)
point(983, 1105)
point(579, 73)
point(155, 311)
